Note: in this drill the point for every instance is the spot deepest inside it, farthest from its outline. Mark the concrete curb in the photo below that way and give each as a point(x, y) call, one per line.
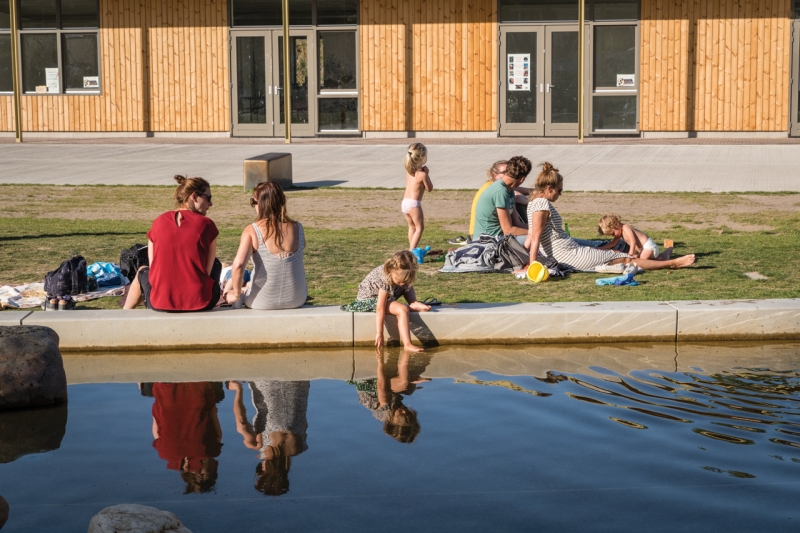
point(523, 323)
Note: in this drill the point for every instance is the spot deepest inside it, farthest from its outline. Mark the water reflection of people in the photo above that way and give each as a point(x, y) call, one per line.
point(186, 431)
point(383, 395)
point(278, 431)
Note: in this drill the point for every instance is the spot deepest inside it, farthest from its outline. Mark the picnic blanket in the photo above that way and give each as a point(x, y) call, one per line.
point(32, 295)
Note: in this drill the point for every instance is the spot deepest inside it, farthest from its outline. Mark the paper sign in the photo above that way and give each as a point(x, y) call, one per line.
point(519, 72)
point(91, 82)
point(51, 80)
point(626, 80)
point(41, 89)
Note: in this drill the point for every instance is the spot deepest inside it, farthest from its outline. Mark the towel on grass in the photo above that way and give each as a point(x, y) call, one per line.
point(32, 295)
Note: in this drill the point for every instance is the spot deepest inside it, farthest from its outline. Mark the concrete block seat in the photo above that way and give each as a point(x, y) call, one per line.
point(525, 323)
point(225, 328)
point(490, 324)
point(738, 319)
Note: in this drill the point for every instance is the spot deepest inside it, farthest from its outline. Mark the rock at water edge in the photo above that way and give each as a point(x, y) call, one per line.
point(31, 369)
point(3, 512)
point(134, 518)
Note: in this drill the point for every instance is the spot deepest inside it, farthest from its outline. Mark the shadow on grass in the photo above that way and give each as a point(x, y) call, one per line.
point(56, 236)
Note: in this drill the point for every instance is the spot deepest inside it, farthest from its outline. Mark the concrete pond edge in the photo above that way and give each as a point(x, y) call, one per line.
point(458, 324)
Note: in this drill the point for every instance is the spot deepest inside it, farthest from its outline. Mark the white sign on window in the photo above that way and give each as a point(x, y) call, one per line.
point(626, 80)
point(91, 82)
point(51, 80)
point(519, 78)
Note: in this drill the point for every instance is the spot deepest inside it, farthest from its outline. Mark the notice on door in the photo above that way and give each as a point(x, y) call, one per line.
point(519, 72)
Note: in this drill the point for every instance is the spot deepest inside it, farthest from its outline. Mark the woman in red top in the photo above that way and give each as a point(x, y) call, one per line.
point(182, 244)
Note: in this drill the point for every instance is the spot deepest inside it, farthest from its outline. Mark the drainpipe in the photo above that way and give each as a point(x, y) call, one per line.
point(287, 96)
point(581, 46)
point(15, 71)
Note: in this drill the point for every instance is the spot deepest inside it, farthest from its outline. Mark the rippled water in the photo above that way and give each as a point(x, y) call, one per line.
point(599, 450)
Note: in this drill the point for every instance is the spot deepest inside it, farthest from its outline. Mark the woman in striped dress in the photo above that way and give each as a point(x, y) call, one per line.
point(546, 233)
point(276, 243)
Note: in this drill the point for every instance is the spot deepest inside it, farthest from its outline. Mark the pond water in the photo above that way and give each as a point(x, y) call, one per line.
point(638, 438)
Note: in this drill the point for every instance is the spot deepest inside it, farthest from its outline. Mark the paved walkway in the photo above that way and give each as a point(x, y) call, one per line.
point(590, 167)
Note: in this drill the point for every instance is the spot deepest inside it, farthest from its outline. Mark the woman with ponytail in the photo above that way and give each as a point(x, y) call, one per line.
point(276, 244)
point(546, 234)
point(182, 245)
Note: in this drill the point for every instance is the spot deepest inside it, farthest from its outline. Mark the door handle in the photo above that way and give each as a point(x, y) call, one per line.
point(550, 87)
point(278, 89)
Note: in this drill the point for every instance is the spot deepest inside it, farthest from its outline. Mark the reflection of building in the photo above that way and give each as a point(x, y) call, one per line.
point(387, 67)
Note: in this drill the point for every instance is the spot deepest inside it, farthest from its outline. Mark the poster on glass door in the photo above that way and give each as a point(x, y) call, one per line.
point(519, 72)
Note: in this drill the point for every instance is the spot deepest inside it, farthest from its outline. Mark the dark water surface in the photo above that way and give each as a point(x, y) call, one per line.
point(599, 450)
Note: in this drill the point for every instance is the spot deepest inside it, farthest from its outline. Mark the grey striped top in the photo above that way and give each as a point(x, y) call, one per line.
point(277, 282)
point(554, 242)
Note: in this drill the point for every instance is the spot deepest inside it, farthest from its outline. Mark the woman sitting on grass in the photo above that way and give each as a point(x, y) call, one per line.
point(546, 232)
point(276, 244)
point(182, 244)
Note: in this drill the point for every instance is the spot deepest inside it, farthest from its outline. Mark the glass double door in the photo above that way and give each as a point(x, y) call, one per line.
point(539, 80)
point(257, 85)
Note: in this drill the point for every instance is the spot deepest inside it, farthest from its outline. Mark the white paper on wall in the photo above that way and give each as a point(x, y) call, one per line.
point(519, 72)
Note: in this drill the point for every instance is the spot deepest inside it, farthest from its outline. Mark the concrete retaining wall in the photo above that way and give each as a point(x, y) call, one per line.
point(524, 323)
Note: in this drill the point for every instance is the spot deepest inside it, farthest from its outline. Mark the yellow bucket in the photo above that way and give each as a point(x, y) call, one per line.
point(537, 272)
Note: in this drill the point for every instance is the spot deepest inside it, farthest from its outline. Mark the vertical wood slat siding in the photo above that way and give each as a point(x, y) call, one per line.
point(186, 85)
point(715, 65)
point(451, 83)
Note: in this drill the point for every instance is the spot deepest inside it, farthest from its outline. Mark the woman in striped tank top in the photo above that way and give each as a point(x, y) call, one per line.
point(276, 244)
point(546, 233)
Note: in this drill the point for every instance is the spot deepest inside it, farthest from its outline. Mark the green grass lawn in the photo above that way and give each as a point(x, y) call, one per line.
point(39, 226)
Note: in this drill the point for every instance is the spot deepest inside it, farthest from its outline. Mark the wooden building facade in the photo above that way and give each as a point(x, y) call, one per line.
point(396, 67)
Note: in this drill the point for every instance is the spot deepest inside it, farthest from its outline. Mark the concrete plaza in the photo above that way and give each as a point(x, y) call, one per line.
point(607, 166)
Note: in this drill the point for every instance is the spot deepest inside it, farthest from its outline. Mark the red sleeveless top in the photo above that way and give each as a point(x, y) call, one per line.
point(180, 255)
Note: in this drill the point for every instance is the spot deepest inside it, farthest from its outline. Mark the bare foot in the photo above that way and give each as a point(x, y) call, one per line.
point(665, 255)
point(684, 261)
point(410, 348)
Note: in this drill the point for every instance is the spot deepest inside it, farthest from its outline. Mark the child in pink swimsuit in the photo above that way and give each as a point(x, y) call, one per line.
point(417, 182)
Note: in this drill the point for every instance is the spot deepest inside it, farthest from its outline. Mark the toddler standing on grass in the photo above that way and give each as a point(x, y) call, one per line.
point(417, 182)
point(641, 245)
point(379, 293)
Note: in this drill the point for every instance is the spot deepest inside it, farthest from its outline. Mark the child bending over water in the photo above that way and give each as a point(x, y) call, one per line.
point(417, 182)
point(641, 245)
point(379, 293)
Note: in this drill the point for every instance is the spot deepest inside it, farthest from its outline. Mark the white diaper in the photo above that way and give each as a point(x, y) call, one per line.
point(408, 204)
point(650, 244)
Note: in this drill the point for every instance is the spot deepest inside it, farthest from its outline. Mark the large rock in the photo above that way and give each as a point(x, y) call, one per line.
point(133, 518)
point(3, 512)
point(26, 431)
point(31, 368)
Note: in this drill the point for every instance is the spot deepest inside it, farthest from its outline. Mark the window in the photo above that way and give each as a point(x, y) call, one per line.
point(5, 48)
point(615, 81)
point(566, 10)
point(301, 12)
point(59, 50)
point(337, 96)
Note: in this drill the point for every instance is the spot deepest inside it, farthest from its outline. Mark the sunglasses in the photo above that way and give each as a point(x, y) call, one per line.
point(206, 196)
point(253, 202)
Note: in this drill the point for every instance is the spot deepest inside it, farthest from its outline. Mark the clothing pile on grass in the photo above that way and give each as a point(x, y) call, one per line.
point(73, 281)
point(495, 254)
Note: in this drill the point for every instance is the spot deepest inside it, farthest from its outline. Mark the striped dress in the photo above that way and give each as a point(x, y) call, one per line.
point(555, 242)
point(277, 282)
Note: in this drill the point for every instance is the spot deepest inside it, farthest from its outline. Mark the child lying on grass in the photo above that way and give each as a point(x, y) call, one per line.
point(641, 246)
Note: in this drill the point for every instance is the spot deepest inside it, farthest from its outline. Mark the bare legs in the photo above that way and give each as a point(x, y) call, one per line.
point(134, 293)
point(416, 225)
point(651, 264)
point(401, 312)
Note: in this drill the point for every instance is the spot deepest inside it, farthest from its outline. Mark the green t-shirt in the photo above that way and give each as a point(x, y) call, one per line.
point(495, 197)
